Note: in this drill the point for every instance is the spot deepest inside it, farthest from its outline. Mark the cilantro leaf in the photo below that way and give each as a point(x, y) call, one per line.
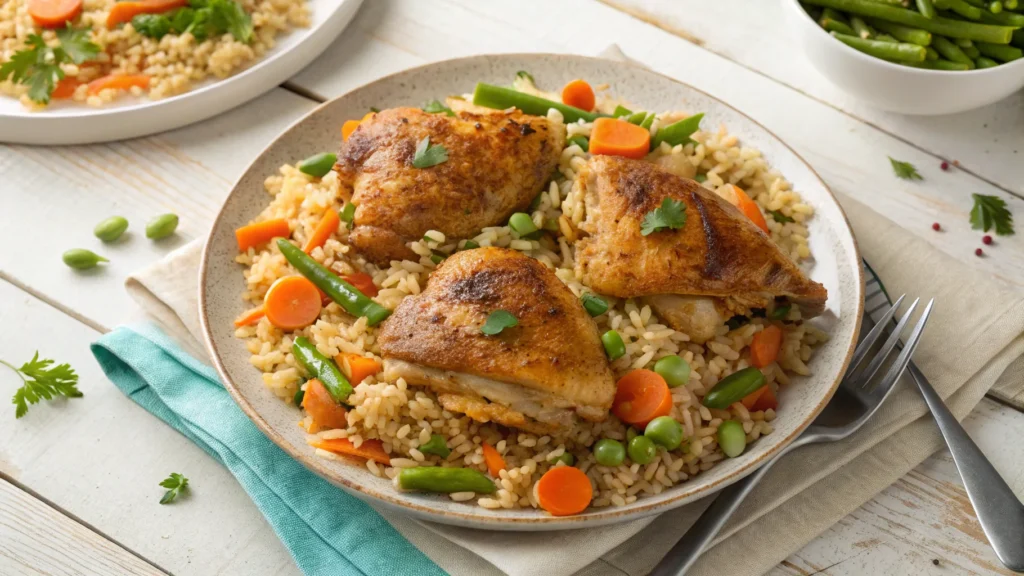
point(779, 217)
point(40, 381)
point(76, 44)
point(176, 484)
point(523, 74)
point(436, 107)
point(990, 212)
point(428, 155)
point(671, 215)
point(498, 321)
point(904, 170)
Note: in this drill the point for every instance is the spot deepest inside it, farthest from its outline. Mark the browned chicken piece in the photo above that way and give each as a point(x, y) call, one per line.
point(538, 375)
point(719, 260)
point(497, 163)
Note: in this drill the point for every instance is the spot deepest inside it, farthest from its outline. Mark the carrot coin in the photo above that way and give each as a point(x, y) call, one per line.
point(292, 302)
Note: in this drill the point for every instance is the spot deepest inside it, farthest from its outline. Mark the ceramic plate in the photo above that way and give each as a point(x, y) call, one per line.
point(837, 266)
point(128, 117)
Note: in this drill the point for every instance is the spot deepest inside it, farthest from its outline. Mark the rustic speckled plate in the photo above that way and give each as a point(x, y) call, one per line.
point(837, 266)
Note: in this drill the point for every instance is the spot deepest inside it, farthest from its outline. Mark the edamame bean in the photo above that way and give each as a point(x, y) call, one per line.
point(613, 345)
point(674, 370)
point(732, 438)
point(733, 388)
point(664, 431)
point(319, 165)
point(642, 450)
point(609, 452)
point(111, 228)
point(162, 226)
point(82, 259)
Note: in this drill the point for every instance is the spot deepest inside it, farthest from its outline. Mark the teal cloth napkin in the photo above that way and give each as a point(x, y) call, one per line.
point(326, 530)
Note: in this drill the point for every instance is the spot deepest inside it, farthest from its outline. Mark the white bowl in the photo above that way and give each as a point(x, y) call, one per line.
point(900, 88)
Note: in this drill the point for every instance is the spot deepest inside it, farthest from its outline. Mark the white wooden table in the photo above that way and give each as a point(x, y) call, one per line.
point(78, 481)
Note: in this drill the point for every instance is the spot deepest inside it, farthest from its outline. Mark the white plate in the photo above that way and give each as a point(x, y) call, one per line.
point(129, 117)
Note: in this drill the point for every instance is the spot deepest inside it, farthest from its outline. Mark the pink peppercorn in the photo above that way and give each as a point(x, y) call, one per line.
point(936, 227)
point(986, 239)
point(978, 252)
point(944, 165)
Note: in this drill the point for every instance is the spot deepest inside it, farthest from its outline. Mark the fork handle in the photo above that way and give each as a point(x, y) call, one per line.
point(1000, 513)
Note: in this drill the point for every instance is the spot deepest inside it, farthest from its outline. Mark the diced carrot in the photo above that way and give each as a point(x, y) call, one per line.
point(367, 116)
point(251, 317)
point(749, 400)
point(495, 463)
point(766, 401)
point(370, 449)
point(292, 302)
point(319, 404)
point(348, 128)
point(564, 491)
point(363, 282)
point(65, 88)
point(764, 348)
point(252, 235)
point(578, 94)
point(614, 137)
point(641, 396)
point(750, 208)
point(54, 13)
point(357, 367)
point(118, 81)
point(123, 12)
point(328, 225)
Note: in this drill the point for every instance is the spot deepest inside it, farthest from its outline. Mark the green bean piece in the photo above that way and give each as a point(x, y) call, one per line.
point(437, 445)
point(665, 431)
point(931, 54)
point(674, 370)
point(950, 51)
point(835, 26)
point(938, 25)
point(886, 38)
point(861, 28)
point(961, 7)
point(82, 259)
point(1018, 38)
point(110, 229)
point(522, 224)
point(648, 121)
point(319, 165)
point(977, 3)
point(972, 52)
point(983, 62)
point(300, 395)
point(322, 368)
point(1011, 4)
point(637, 118)
point(348, 214)
point(609, 452)
point(565, 457)
point(470, 244)
point(348, 296)
point(162, 226)
point(641, 450)
point(962, 42)
point(998, 52)
point(580, 141)
point(813, 11)
point(594, 304)
point(677, 132)
point(444, 480)
point(901, 52)
point(904, 33)
point(614, 347)
point(995, 7)
point(731, 438)
point(926, 8)
point(500, 98)
point(734, 388)
point(1003, 18)
point(621, 111)
point(940, 65)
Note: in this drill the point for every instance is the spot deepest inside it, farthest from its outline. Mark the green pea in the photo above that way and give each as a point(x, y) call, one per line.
point(436, 445)
point(732, 438)
point(111, 228)
point(674, 370)
point(613, 345)
point(565, 457)
point(609, 452)
point(319, 165)
point(664, 431)
point(162, 226)
point(701, 178)
point(642, 450)
point(300, 394)
point(631, 433)
point(734, 388)
point(594, 304)
point(82, 259)
point(522, 224)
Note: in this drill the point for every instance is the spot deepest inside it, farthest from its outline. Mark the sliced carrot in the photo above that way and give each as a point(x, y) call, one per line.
point(749, 400)
point(750, 208)
point(766, 401)
point(641, 396)
point(363, 282)
point(764, 348)
point(292, 302)
point(319, 404)
point(328, 225)
point(614, 137)
point(348, 128)
point(65, 88)
point(252, 235)
point(54, 13)
point(251, 317)
point(367, 116)
point(564, 491)
point(578, 94)
point(118, 81)
point(495, 463)
point(370, 449)
point(357, 367)
point(123, 12)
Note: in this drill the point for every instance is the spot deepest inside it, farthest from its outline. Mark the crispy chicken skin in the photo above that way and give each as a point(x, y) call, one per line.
point(497, 163)
point(537, 375)
point(718, 252)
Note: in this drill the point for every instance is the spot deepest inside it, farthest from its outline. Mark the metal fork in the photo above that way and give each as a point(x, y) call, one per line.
point(853, 404)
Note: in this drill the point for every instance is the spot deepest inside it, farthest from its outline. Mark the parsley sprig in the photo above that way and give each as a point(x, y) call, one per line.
point(670, 215)
point(38, 65)
point(904, 170)
point(202, 18)
point(41, 381)
point(991, 212)
point(175, 484)
point(498, 321)
point(428, 155)
point(436, 107)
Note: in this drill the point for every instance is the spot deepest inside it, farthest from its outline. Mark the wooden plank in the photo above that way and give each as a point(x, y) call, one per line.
point(38, 540)
point(986, 141)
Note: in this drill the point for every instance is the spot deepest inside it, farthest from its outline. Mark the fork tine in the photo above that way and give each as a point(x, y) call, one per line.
point(868, 341)
point(894, 338)
point(901, 362)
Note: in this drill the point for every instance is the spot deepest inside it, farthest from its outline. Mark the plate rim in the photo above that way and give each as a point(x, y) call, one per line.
point(601, 517)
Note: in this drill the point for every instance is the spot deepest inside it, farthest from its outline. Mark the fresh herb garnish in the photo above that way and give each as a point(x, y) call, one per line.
point(904, 170)
point(427, 155)
point(201, 18)
point(152, 25)
point(779, 217)
point(526, 75)
point(175, 484)
point(991, 212)
point(671, 215)
point(374, 109)
point(498, 321)
point(38, 65)
point(41, 381)
point(436, 107)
